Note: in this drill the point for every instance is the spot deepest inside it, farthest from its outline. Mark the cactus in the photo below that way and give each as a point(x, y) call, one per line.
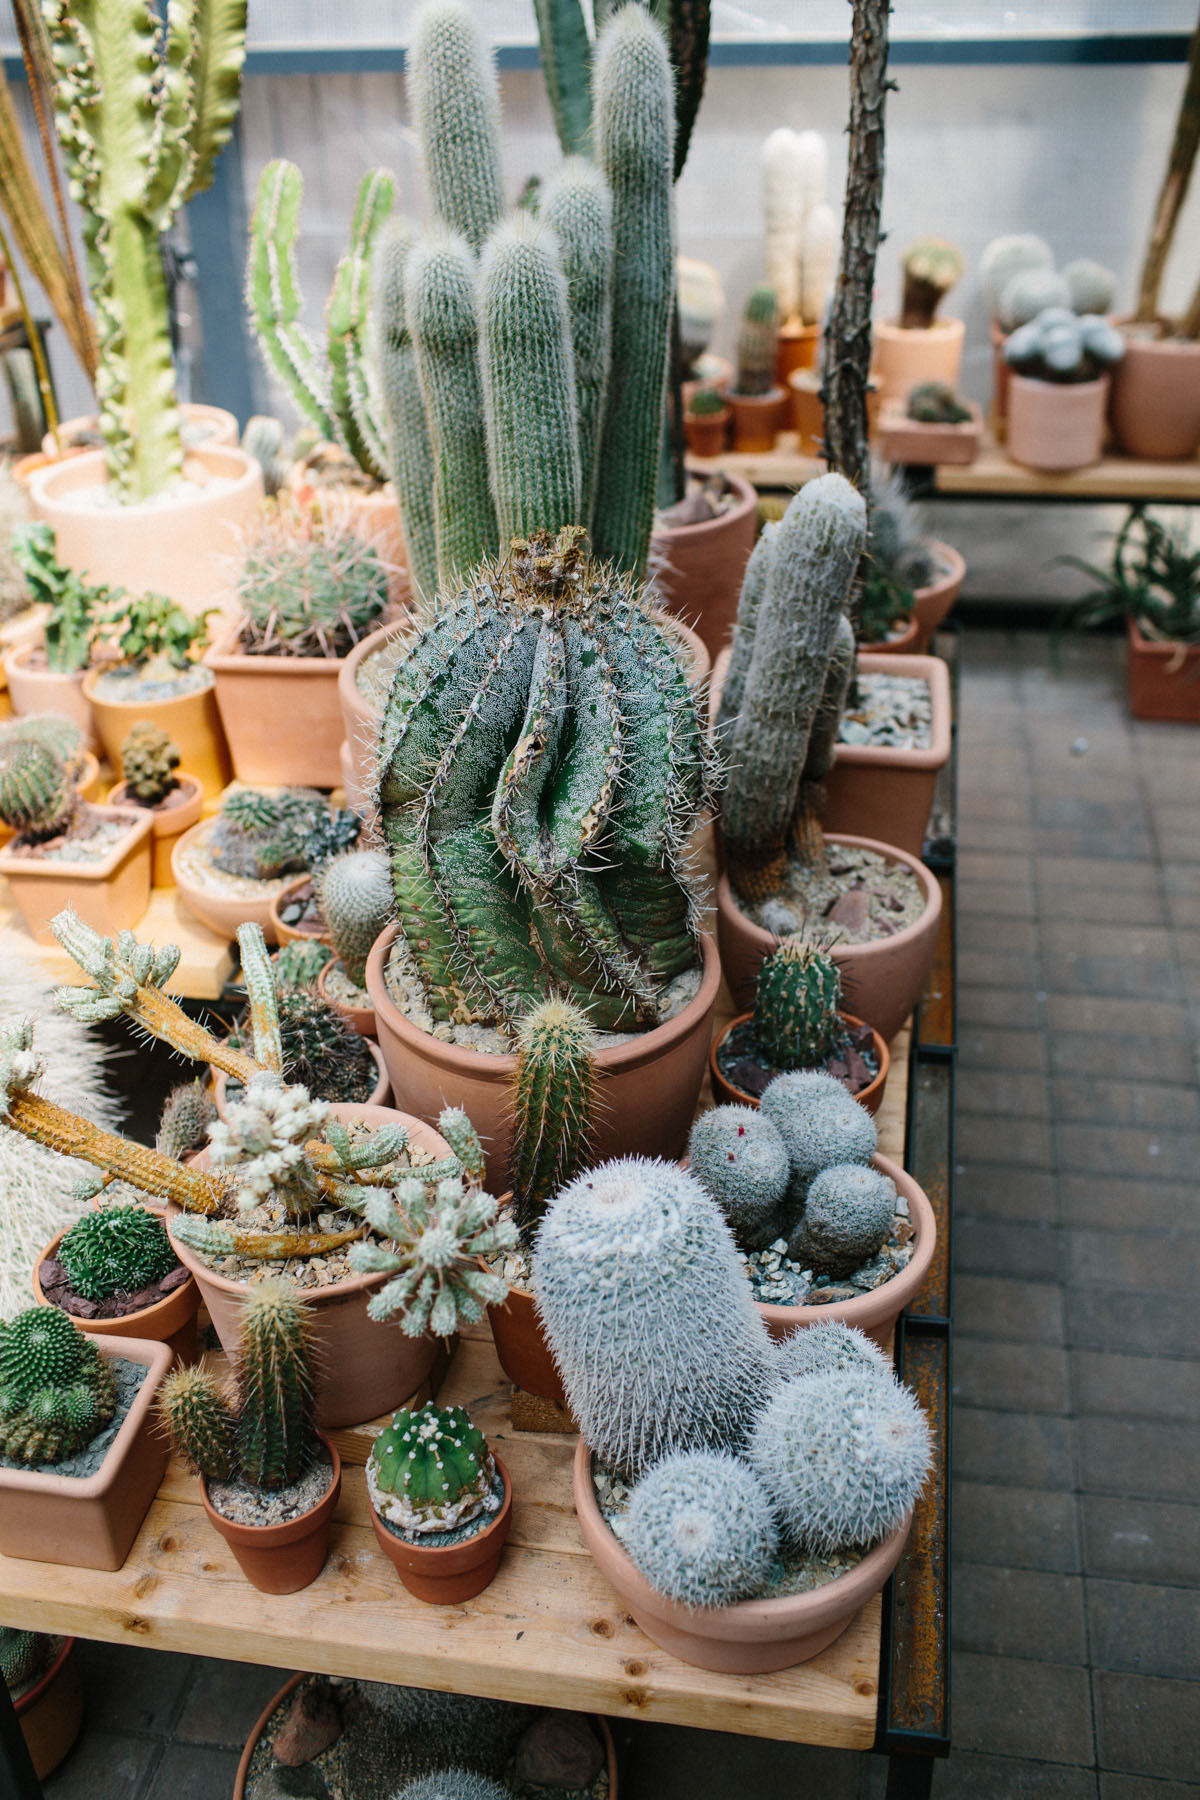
point(116, 1250)
point(355, 892)
point(56, 1390)
point(455, 99)
point(1030, 293)
point(554, 1096)
point(37, 796)
point(1060, 346)
point(431, 1470)
point(738, 1157)
point(57, 732)
point(818, 262)
point(262, 439)
point(801, 230)
point(143, 111)
point(1090, 286)
point(187, 1113)
point(200, 1422)
point(827, 720)
point(896, 542)
point(931, 268)
point(577, 206)
point(321, 1049)
point(936, 403)
point(262, 836)
point(156, 635)
point(77, 610)
point(647, 1310)
point(848, 1212)
point(797, 1002)
point(508, 884)
point(699, 1528)
point(699, 304)
point(757, 342)
point(149, 760)
point(1006, 257)
point(23, 1655)
point(481, 1732)
point(453, 1784)
point(754, 586)
point(402, 410)
point(308, 586)
point(842, 1455)
point(706, 403)
point(820, 1123)
point(828, 1346)
point(276, 1436)
point(298, 964)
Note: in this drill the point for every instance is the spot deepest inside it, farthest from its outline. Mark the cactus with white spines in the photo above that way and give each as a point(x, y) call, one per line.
point(801, 229)
point(455, 98)
point(738, 1156)
point(577, 206)
point(1058, 345)
point(430, 1470)
point(1090, 286)
point(827, 1347)
point(820, 1123)
point(355, 892)
point(848, 1213)
point(699, 1527)
point(1007, 257)
point(1030, 293)
point(819, 245)
point(554, 1098)
point(741, 653)
point(187, 1113)
point(453, 1784)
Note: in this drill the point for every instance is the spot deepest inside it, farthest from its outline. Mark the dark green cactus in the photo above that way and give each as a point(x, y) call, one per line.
point(56, 1390)
point(322, 1051)
point(936, 403)
point(554, 1092)
point(455, 100)
point(757, 342)
point(23, 1654)
point(149, 760)
point(796, 1006)
point(201, 1422)
point(276, 1435)
point(298, 964)
point(431, 1470)
point(37, 795)
point(706, 403)
point(263, 836)
point(355, 892)
point(115, 1250)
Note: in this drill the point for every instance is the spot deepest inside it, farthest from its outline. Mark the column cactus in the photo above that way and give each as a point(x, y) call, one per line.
point(577, 206)
point(456, 109)
point(401, 408)
point(554, 1097)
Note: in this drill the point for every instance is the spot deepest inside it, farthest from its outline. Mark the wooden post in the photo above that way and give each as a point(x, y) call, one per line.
point(1174, 189)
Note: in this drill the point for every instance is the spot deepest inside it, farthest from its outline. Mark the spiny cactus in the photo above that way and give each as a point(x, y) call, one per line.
point(431, 1470)
point(453, 1784)
point(401, 408)
point(543, 766)
point(648, 1312)
point(200, 1421)
point(738, 1157)
point(276, 1435)
point(820, 1123)
point(263, 439)
point(843, 1457)
point(801, 230)
point(56, 1390)
point(706, 403)
point(1090, 286)
point(554, 1097)
point(936, 403)
point(37, 796)
point(355, 892)
point(1006, 257)
point(757, 343)
point(455, 98)
point(309, 586)
point(481, 1732)
point(797, 1001)
point(321, 1049)
point(700, 1529)
point(53, 730)
point(23, 1654)
point(263, 836)
point(828, 1346)
point(1058, 345)
point(298, 964)
point(149, 760)
point(897, 545)
point(848, 1213)
point(187, 1113)
point(931, 268)
point(116, 1249)
point(1030, 293)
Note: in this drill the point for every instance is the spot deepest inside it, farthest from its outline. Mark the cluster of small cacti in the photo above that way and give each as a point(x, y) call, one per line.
point(797, 1006)
point(115, 1250)
point(355, 892)
point(37, 795)
point(554, 1097)
point(262, 836)
point(148, 761)
point(931, 268)
point(431, 1470)
point(309, 586)
point(936, 403)
point(757, 342)
point(1060, 345)
point(1020, 281)
point(801, 230)
point(56, 1390)
point(700, 1529)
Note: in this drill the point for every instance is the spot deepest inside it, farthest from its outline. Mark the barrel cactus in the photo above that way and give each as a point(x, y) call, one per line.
point(356, 898)
point(115, 1250)
point(848, 1213)
point(430, 1470)
point(700, 1529)
point(37, 796)
point(797, 1001)
point(1090, 286)
point(56, 1390)
point(738, 1156)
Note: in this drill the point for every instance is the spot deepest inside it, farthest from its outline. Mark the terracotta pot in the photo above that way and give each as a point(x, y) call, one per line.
point(110, 895)
point(51, 1712)
point(698, 569)
point(291, 934)
point(757, 419)
point(797, 350)
point(91, 1523)
point(168, 823)
point(932, 603)
point(171, 1321)
point(522, 1348)
point(1154, 408)
point(204, 427)
point(709, 372)
point(34, 690)
point(364, 1369)
point(751, 1637)
point(281, 715)
point(359, 717)
point(191, 721)
point(726, 1093)
point(875, 1313)
point(1056, 425)
point(882, 979)
point(455, 1572)
point(903, 357)
point(380, 1093)
point(903, 641)
point(222, 912)
point(998, 419)
point(1162, 680)
point(648, 1088)
point(883, 792)
point(282, 1559)
point(905, 440)
point(187, 549)
point(361, 1017)
point(706, 432)
point(807, 410)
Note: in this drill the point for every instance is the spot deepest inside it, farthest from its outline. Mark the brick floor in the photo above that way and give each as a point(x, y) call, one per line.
point(1076, 1504)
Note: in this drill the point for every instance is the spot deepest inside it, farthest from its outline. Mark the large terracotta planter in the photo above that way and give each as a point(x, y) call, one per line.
point(364, 1369)
point(455, 1572)
point(34, 690)
point(932, 603)
point(757, 419)
point(282, 1559)
point(522, 1348)
point(880, 791)
point(204, 427)
point(1162, 680)
point(109, 895)
point(752, 1637)
point(902, 358)
point(186, 548)
point(167, 823)
point(1154, 407)
point(726, 1093)
point(50, 1713)
point(91, 1523)
point(281, 715)
point(698, 569)
point(647, 1088)
point(1055, 425)
point(222, 912)
point(905, 440)
point(881, 980)
point(191, 721)
point(171, 1321)
point(360, 719)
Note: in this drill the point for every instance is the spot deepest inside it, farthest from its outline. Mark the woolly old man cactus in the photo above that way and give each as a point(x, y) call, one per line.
point(431, 1470)
point(56, 1390)
point(801, 230)
point(554, 1097)
point(115, 1250)
point(543, 765)
point(143, 111)
point(700, 1529)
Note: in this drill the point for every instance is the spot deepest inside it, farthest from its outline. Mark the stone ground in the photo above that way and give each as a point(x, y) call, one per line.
point(1076, 1527)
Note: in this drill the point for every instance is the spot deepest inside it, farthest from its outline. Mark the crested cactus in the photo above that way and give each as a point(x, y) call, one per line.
point(828, 1346)
point(56, 1390)
point(820, 1123)
point(355, 892)
point(37, 796)
point(647, 1310)
point(309, 586)
point(1030, 293)
point(848, 1213)
point(936, 403)
point(401, 408)
point(276, 1435)
point(931, 268)
point(148, 761)
point(554, 1096)
point(187, 1113)
point(115, 1250)
point(738, 1157)
point(455, 97)
point(430, 1470)
point(797, 1002)
point(543, 765)
point(1058, 345)
point(200, 1422)
point(1090, 286)
point(1006, 257)
point(700, 1529)
point(757, 342)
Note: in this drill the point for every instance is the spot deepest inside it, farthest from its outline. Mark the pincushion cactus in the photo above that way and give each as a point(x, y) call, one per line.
point(431, 1470)
point(148, 761)
point(37, 796)
point(936, 403)
point(117, 1249)
point(848, 1213)
point(201, 1422)
point(355, 892)
point(820, 1124)
point(931, 268)
point(454, 1784)
point(700, 1529)
point(554, 1096)
point(738, 1156)
point(757, 342)
point(828, 1347)
point(797, 1001)
point(1059, 346)
point(298, 964)
point(56, 1390)
point(263, 836)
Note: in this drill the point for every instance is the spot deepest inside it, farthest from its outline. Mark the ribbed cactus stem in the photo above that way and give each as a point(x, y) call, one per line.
point(201, 1422)
point(276, 1435)
point(456, 109)
point(259, 979)
point(359, 427)
point(754, 586)
point(554, 1097)
point(757, 342)
point(409, 453)
point(274, 299)
point(577, 206)
point(528, 368)
point(151, 1173)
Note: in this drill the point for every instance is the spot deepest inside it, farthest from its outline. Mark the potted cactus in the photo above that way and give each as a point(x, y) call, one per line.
point(756, 400)
point(43, 1684)
point(174, 801)
point(909, 580)
point(357, 903)
point(363, 682)
point(147, 671)
point(115, 1271)
point(1058, 387)
point(706, 421)
point(919, 346)
point(933, 425)
point(81, 1462)
point(45, 674)
point(321, 1051)
point(61, 734)
point(441, 1503)
point(1020, 281)
point(234, 868)
point(801, 242)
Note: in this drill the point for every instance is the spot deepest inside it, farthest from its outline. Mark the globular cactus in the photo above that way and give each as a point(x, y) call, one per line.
point(757, 342)
point(738, 1157)
point(455, 98)
point(263, 836)
point(402, 409)
point(1090, 286)
point(700, 1529)
point(321, 1049)
point(298, 964)
point(200, 1422)
point(56, 1390)
point(483, 1733)
point(848, 1212)
point(115, 1250)
point(453, 1784)
point(827, 1347)
point(936, 403)
point(187, 1113)
point(842, 1455)
point(1059, 345)
point(53, 730)
point(516, 875)
point(263, 438)
point(647, 1309)
point(148, 761)
point(1030, 293)
point(554, 1099)
point(355, 892)
point(23, 1654)
point(577, 206)
point(706, 403)
point(1006, 257)
point(37, 796)
point(931, 268)
point(797, 1002)
point(431, 1470)
point(820, 1124)
point(276, 1436)
point(309, 586)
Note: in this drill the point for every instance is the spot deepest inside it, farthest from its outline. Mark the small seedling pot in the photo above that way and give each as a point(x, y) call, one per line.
point(171, 1321)
point(455, 1572)
point(282, 1559)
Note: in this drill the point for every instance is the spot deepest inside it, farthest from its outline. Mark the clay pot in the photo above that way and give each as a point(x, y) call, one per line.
point(361, 1017)
point(184, 548)
point(797, 349)
point(903, 357)
point(875, 1313)
point(807, 409)
point(647, 1088)
point(904, 640)
point(364, 1369)
point(360, 719)
point(291, 934)
point(282, 1559)
point(454, 1572)
point(1055, 425)
point(751, 1637)
point(1162, 680)
point(168, 821)
point(91, 1523)
point(171, 1321)
point(882, 979)
point(698, 569)
point(371, 514)
point(50, 1713)
point(34, 690)
point(280, 715)
point(757, 419)
point(223, 912)
point(725, 1093)
point(204, 427)
point(380, 1093)
point(1154, 408)
point(706, 432)
point(998, 418)
point(932, 603)
point(905, 440)
point(880, 791)
point(522, 1348)
point(191, 721)
point(110, 895)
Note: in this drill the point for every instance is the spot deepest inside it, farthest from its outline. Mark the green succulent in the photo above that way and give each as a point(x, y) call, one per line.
point(115, 1250)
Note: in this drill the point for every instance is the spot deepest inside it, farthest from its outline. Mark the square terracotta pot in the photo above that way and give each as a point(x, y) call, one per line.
point(110, 895)
point(905, 440)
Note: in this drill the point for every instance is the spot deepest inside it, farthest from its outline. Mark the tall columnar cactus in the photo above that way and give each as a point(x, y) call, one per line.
point(757, 342)
point(431, 1470)
point(648, 1312)
point(700, 1529)
point(801, 230)
point(56, 1390)
point(797, 1002)
point(144, 110)
point(827, 721)
point(276, 1434)
point(554, 1097)
point(543, 765)
point(456, 109)
point(355, 892)
point(117, 1249)
point(37, 795)
point(401, 408)
point(577, 206)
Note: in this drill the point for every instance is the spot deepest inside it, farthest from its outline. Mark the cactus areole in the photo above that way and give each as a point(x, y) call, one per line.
point(542, 768)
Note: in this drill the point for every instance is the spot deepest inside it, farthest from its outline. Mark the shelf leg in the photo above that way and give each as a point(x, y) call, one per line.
point(17, 1779)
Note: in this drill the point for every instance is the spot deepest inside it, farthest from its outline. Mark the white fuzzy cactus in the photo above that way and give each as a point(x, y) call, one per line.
point(819, 245)
point(828, 1347)
point(820, 1124)
point(801, 229)
point(738, 1156)
point(262, 1138)
point(847, 1215)
point(700, 1529)
point(454, 1784)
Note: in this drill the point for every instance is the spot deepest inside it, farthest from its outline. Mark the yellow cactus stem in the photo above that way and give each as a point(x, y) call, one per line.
point(755, 880)
point(168, 1022)
point(807, 837)
point(194, 1190)
point(221, 1238)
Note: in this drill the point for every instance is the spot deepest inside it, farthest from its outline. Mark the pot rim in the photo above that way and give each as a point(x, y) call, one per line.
point(747, 501)
point(224, 658)
point(94, 671)
point(1099, 385)
point(144, 1315)
point(381, 1088)
point(352, 697)
point(16, 655)
point(1163, 647)
point(882, 1054)
point(77, 470)
point(296, 881)
point(157, 1359)
point(46, 1679)
point(751, 402)
point(195, 792)
point(286, 1531)
point(142, 825)
point(919, 666)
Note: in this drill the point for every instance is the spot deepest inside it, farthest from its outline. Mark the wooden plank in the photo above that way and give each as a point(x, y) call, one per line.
point(1112, 478)
point(206, 963)
point(786, 466)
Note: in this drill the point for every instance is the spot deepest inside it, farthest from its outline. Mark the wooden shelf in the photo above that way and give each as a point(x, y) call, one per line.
point(205, 965)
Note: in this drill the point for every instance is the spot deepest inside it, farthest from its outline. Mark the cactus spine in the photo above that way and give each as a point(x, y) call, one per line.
point(554, 1092)
point(201, 1423)
point(848, 1213)
point(119, 1249)
point(355, 891)
point(796, 1006)
point(56, 1390)
point(402, 410)
point(820, 1123)
point(454, 1784)
point(187, 1113)
point(431, 1470)
point(577, 206)
point(276, 1434)
point(456, 109)
point(37, 796)
point(738, 1156)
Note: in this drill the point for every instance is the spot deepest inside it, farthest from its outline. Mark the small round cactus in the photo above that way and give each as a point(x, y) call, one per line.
point(1006, 257)
point(699, 1528)
point(321, 1049)
point(797, 1020)
point(298, 964)
point(56, 1390)
point(201, 1422)
point(706, 403)
point(55, 730)
point(847, 1215)
point(187, 1113)
point(454, 1784)
point(936, 403)
point(115, 1250)
point(1090, 286)
point(37, 795)
point(431, 1470)
point(827, 1346)
point(820, 1125)
point(149, 760)
point(355, 891)
point(738, 1156)
point(1030, 293)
